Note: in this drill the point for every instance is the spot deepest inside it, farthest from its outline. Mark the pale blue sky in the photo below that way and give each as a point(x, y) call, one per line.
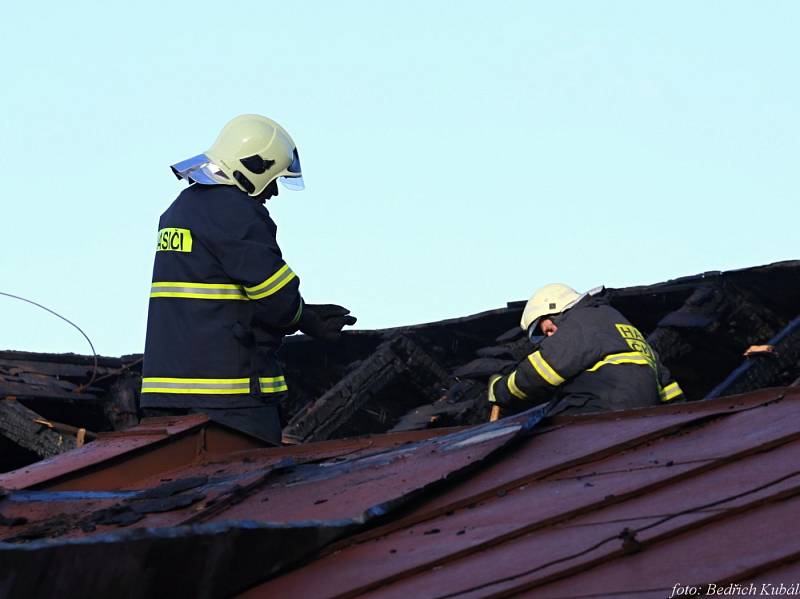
point(457, 155)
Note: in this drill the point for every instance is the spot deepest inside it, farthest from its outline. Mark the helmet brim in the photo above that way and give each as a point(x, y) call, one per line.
point(200, 169)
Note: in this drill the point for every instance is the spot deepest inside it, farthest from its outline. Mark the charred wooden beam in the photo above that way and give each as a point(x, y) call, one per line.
point(19, 425)
point(122, 401)
point(399, 363)
point(54, 385)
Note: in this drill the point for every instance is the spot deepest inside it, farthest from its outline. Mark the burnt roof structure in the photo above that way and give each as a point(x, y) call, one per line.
point(433, 375)
point(697, 493)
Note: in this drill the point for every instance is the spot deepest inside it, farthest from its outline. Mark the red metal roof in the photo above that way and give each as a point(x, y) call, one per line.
point(582, 505)
point(262, 509)
point(694, 494)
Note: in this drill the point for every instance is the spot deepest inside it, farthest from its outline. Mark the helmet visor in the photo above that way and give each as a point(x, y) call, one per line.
point(200, 169)
point(294, 180)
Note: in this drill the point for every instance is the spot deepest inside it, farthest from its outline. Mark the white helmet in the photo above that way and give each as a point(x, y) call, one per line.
point(550, 299)
point(251, 152)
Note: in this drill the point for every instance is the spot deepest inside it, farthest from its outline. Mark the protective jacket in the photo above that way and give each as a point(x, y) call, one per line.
point(596, 360)
point(221, 300)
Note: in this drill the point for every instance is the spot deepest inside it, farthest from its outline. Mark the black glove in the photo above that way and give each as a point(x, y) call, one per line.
point(325, 321)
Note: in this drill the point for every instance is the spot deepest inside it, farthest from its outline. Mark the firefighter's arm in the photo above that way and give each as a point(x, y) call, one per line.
point(250, 256)
point(557, 359)
point(669, 389)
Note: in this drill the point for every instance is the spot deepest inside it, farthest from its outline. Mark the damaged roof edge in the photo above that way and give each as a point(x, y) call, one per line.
point(119, 458)
point(230, 552)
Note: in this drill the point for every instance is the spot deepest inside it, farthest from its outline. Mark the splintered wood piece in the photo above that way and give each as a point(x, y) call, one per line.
point(759, 349)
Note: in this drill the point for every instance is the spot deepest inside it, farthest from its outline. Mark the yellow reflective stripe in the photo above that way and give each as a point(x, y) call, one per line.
point(218, 291)
point(512, 386)
point(272, 384)
point(161, 379)
point(631, 357)
point(544, 369)
point(195, 386)
point(196, 285)
point(492, 382)
point(274, 389)
point(272, 285)
point(226, 291)
point(194, 391)
point(198, 296)
point(271, 279)
point(671, 391)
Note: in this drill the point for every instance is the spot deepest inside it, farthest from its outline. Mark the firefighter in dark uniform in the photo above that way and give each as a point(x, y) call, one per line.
point(222, 297)
point(588, 358)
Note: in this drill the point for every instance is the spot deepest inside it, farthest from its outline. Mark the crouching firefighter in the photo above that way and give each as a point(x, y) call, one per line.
point(587, 357)
point(222, 297)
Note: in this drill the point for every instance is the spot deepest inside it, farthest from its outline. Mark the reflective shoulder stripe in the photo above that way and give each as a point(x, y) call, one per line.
point(215, 291)
point(273, 284)
point(512, 386)
point(195, 386)
point(272, 384)
point(631, 357)
point(671, 391)
point(544, 369)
